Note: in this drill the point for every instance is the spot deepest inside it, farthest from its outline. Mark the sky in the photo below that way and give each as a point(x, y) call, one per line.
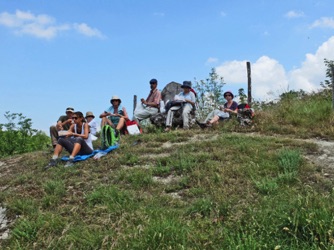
point(57, 53)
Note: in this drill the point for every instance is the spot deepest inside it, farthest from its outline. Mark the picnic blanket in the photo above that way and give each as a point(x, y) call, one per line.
point(98, 153)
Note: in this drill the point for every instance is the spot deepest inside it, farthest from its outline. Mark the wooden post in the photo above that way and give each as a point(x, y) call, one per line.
point(249, 77)
point(134, 103)
point(332, 69)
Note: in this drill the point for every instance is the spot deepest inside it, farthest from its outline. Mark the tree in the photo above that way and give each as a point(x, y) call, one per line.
point(18, 136)
point(329, 74)
point(210, 93)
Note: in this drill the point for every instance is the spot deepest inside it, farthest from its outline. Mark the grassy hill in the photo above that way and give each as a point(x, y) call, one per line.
point(196, 189)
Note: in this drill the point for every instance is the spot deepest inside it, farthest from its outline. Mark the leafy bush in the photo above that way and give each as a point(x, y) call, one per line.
point(209, 93)
point(17, 135)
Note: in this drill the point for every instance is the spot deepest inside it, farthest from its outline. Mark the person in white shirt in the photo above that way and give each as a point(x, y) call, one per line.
point(188, 103)
point(91, 122)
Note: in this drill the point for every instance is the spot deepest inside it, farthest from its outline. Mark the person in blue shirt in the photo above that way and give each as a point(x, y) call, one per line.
point(116, 115)
point(187, 99)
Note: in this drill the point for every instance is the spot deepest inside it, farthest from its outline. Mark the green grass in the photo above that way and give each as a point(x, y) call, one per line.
point(225, 191)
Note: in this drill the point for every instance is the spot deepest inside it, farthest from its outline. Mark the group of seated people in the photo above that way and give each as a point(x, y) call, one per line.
point(74, 132)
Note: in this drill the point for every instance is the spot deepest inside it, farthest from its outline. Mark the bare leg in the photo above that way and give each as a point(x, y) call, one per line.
point(121, 123)
point(58, 150)
point(106, 121)
point(214, 120)
point(76, 149)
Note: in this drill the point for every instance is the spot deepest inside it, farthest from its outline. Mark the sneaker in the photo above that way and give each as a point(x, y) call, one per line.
point(167, 129)
point(69, 163)
point(201, 125)
point(117, 134)
point(51, 164)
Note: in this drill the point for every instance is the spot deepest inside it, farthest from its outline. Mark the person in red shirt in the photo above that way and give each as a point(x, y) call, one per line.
point(150, 105)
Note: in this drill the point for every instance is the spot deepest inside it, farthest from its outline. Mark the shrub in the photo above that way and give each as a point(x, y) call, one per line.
point(17, 135)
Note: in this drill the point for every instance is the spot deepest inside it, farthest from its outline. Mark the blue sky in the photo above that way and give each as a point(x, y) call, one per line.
point(55, 54)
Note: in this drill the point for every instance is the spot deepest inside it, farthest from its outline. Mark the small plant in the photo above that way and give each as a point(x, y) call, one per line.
point(266, 186)
point(54, 187)
point(289, 160)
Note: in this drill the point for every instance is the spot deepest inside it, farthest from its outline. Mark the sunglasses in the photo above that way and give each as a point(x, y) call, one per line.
point(75, 118)
point(227, 95)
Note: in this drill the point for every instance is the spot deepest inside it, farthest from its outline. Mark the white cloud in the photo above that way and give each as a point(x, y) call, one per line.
point(324, 22)
point(42, 26)
point(270, 79)
point(294, 14)
point(268, 76)
point(212, 60)
point(313, 69)
point(87, 31)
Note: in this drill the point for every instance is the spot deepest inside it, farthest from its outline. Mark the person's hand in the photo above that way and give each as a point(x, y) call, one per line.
point(143, 101)
point(69, 134)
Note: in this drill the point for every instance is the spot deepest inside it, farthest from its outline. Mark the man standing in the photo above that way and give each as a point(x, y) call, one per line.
point(150, 106)
point(64, 122)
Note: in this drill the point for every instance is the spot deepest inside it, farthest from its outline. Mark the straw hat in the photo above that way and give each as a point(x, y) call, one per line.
point(89, 113)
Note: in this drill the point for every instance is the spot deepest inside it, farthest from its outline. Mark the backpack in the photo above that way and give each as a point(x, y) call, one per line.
point(108, 137)
point(245, 114)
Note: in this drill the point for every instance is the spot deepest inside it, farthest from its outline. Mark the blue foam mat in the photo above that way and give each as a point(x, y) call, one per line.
point(85, 157)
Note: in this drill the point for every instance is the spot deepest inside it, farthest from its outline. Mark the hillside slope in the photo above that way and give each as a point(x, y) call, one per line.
point(183, 190)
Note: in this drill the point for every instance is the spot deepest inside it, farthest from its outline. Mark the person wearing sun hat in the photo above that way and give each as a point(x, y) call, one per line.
point(188, 103)
point(150, 105)
point(230, 107)
point(116, 115)
point(64, 122)
point(91, 122)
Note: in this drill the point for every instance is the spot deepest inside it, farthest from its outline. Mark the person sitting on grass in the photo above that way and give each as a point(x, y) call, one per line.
point(76, 142)
point(115, 116)
point(225, 112)
point(90, 118)
point(149, 106)
point(64, 122)
point(187, 102)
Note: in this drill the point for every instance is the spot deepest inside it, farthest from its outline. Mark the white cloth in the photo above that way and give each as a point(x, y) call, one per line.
point(143, 112)
point(185, 115)
point(217, 112)
point(93, 127)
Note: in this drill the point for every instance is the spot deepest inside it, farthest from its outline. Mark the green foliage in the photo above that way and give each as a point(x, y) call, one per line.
point(329, 74)
point(289, 160)
point(209, 93)
point(17, 135)
point(266, 186)
point(242, 96)
point(297, 113)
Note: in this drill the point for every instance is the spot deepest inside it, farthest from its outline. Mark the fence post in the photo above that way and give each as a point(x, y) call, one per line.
point(134, 103)
point(249, 77)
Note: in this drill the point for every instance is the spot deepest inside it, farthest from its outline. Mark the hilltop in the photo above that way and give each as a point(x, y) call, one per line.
point(265, 187)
